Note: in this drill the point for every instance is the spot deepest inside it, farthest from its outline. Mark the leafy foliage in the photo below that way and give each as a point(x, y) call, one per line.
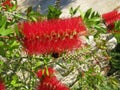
point(53, 12)
point(32, 15)
point(115, 62)
point(92, 19)
point(94, 81)
point(73, 11)
point(115, 53)
point(116, 30)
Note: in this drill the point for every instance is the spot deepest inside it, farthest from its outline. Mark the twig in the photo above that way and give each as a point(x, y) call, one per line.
point(57, 3)
point(118, 7)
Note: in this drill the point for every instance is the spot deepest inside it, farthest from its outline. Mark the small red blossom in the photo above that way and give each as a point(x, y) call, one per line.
point(51, 83)
point(43, 72)
point(56, 35)
point(7, 3)
point(110, 18)
point(2, 86)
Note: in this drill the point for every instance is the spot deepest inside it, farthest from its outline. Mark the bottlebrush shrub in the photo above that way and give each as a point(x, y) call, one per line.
point(49, 81)
point(18, 69)
point(55, 35)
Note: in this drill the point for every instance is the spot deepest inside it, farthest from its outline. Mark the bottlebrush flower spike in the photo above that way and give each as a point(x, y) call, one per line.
point(51, 83)
point(111, 17)
point(56, 35)
point(2, 86)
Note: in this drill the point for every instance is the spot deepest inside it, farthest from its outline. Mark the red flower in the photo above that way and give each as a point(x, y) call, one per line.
point(2, 86)
point(49, 82)
point(56, 35)
point(110, 18)
point(42, 72)
point(7, 3)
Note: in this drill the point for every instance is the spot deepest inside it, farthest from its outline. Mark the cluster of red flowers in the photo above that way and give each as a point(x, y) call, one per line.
point(2, 86)
point(49, 81)
point(56, 35)
point(110, 18)
point(7, 4)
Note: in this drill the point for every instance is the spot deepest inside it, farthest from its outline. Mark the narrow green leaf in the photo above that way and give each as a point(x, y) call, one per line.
point(47, 72)
point(88, 12)
point(1, 43)
point(75, 10)
point(53, 12)
point(7, 32)
point(1, 62)
point(82, 14)
point(3, 22)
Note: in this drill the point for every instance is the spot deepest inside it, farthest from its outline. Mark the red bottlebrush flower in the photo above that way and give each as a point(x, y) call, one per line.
point(7, 3)
point(110, 18)
point(56, 35)
point(2, 86)
point(51, 83)
point(42, 72)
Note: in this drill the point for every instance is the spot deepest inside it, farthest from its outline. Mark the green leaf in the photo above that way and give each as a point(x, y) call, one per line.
point(18, 85)
point(1, 62)
point(3, 30)
point(95, 19)
point(100, 28)
point(73, 11)
point(117, 36)
point(38, 64)
point(16, 30)
point(33, 18)
point(47, 72)
point(14, 44)
point(1, 43)
point(7, 32)
point(82, 14)
point(13, 82)
point(53, 12)
point(32, 15)
point(2, 51)
point(3, 22)
point(18, 15)
point(88, 13)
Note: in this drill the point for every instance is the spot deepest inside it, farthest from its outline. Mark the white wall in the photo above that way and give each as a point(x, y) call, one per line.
point(101, 6)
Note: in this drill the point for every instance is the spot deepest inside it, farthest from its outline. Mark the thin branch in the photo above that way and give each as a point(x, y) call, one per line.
point(118, 7)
